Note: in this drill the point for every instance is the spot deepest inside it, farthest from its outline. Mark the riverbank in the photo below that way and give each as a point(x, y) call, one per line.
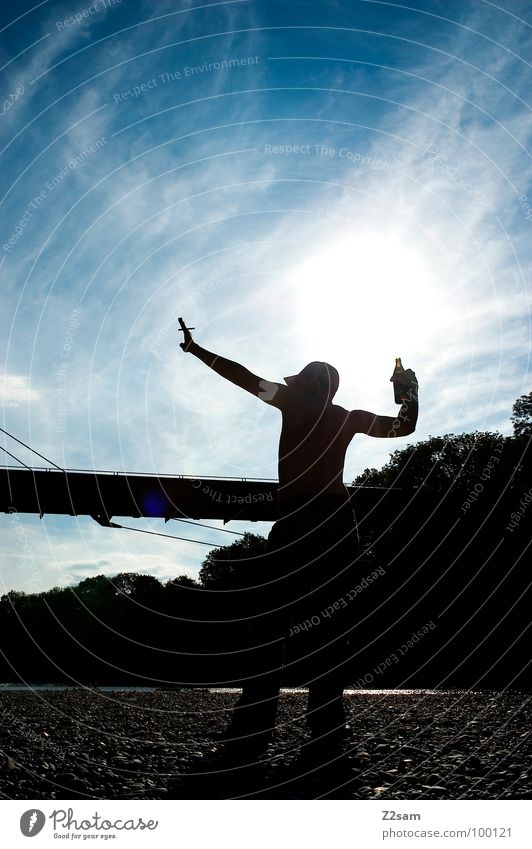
point(157, 745)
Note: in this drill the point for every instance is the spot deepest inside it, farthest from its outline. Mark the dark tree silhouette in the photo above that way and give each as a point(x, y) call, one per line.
point(522, 415)
point(184, 581)
point(226, 567)
point(452, 462)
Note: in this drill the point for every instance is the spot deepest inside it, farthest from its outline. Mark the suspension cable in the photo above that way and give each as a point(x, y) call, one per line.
point(31, 449)
point(14, 458)
point(158, 534)
point(211, 527)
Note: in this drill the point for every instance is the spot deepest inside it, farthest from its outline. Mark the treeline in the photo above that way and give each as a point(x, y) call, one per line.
point(447, 543)
point(456, 548)
point(126, 629)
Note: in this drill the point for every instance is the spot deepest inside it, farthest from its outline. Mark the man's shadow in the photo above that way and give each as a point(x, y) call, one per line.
point(290, 774)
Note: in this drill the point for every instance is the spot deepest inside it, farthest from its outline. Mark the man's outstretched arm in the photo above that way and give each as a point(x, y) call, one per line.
point(266, 390)
point(361, 421)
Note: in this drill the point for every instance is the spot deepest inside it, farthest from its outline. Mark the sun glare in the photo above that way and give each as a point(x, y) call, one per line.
point(369, 298)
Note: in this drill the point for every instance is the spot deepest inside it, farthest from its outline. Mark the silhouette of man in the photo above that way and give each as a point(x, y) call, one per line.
point(311, 549)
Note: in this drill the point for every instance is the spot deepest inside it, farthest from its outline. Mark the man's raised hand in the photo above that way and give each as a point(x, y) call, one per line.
point(188, 340)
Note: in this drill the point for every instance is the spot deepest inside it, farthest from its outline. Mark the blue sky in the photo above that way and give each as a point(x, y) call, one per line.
point(345, 180)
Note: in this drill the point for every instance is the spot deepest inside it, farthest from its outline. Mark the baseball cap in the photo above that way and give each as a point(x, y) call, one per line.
point(322, 373)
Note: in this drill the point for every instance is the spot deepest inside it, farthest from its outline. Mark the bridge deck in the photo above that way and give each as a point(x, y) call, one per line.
point(109, 494)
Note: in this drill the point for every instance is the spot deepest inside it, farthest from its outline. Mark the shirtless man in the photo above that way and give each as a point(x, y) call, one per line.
point(312, 548)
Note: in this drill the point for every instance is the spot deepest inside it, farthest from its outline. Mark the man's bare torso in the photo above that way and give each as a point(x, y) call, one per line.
point(312, 447)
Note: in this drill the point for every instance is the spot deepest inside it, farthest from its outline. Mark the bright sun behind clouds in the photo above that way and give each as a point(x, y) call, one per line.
point(365, 300)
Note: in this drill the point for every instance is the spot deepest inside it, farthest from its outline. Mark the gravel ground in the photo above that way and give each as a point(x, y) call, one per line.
point(75, 744)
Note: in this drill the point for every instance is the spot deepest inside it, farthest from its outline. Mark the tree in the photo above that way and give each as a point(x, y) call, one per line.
point(144, 589)
point(183, 581)
point(522, 415)
point(442, 462)
point(225, 567)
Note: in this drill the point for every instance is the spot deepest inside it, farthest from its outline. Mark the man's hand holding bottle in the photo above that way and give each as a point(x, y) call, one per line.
point(405, 384)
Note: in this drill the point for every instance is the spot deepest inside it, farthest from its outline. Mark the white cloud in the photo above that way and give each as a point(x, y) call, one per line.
point(16, 389)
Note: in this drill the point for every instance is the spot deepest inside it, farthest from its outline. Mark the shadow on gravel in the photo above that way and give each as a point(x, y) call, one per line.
point(219, 777)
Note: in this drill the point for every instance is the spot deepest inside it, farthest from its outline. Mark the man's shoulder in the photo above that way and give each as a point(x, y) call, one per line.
point(340, 411)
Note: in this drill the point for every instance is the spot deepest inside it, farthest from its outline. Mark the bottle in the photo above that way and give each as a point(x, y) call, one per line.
point(399, 388)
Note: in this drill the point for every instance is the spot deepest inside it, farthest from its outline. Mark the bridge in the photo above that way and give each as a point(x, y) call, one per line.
point(104, 494)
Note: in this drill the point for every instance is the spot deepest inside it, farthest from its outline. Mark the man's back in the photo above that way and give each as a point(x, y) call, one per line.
point(312, 447)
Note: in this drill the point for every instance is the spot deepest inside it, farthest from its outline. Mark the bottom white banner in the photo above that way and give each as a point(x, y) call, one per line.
point(263, 824)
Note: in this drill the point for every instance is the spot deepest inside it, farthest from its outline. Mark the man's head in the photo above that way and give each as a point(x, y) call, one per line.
point(317, 378)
